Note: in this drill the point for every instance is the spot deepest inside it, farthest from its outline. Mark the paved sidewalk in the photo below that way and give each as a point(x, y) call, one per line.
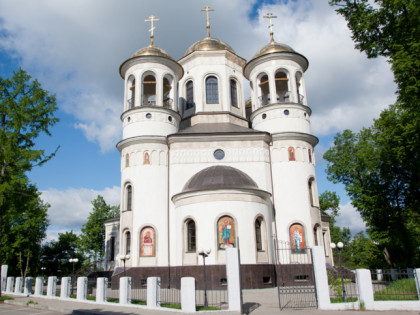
point(256, 302)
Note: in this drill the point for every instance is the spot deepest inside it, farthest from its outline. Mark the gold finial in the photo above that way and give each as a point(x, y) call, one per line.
point(207, 9)
point(152, 19)
point(271, 16)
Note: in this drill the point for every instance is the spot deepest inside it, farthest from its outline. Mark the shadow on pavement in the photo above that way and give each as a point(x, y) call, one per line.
point(250, 307)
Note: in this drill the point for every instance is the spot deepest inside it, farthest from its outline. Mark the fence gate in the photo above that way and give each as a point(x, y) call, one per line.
point(295, 276)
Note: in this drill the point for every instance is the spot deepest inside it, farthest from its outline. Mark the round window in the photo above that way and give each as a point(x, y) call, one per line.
point(148, 115)
point(219, 154)
point(264, 116)
point(286, 112)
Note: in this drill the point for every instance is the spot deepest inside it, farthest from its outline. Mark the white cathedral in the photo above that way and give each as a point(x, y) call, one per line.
point(203, 168)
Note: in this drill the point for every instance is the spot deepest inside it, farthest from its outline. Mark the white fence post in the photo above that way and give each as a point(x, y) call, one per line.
point(4, 277)
point(321, 279)
point(39, 286)
point(233, 273)
point(188, 294)
point(27, 289)
point(125, 290)
point(153, 292)
point(365, 288)
point(82, 288)
point(51, 286)
point(101, 289)
point(9, 285)
point(417, 277)
point(65, 287)
point(18, 285)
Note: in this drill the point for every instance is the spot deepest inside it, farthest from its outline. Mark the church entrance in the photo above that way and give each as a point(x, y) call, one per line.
point(295, 276)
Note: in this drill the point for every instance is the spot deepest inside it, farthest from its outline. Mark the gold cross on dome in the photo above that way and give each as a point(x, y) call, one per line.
point(152, 19)
point(207, 9)
point(270, 16)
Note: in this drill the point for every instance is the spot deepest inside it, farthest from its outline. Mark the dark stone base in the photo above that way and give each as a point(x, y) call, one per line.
point(253, 276)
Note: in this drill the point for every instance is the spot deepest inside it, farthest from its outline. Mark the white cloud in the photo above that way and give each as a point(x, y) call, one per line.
point(70, 208)
point(349, 217)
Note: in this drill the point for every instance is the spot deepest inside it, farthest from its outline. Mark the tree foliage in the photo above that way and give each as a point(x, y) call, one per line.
point(380, 165)
point(26, 111)
point(92, 238)
point(56, 254)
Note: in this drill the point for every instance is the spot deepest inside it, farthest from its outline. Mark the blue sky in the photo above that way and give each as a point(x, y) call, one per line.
point(74, 48)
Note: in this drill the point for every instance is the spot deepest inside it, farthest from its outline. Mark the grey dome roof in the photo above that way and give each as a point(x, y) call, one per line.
point(219, 177)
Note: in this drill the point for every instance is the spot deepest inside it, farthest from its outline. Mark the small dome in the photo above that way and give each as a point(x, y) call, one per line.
point(208, 44)
point(273, 47)
point(151, 51)
point(219, 177)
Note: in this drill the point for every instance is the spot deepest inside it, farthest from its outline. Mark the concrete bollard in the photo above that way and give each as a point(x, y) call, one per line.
point(4, 277)
point(321, 278)
point(18, 285)
point(9, 284)
point(125, 290)
point(364, 287)
point(39, 286)
point(188, 294)
point(27, 289)
point(153, 292)
point(101, 289)
point(82, 283)
point(65, 287)
point(417, 279)
point(233, 273)
point(51, 286)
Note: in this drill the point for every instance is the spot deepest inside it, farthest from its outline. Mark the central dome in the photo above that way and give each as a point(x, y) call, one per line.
point(219, 177)
point(208, 44)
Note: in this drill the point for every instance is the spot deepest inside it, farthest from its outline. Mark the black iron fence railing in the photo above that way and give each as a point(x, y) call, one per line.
point(394, 284)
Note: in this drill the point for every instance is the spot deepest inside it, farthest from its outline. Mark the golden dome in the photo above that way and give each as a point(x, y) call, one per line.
point(273, 47)
point(209, 44)
point(151, 51)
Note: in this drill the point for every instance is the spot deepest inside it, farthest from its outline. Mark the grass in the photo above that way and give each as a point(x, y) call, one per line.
point(112, 300)
point(5, 297)
point(340, 299)
point(138, 302)
point(399, 290)
point(208, 308)
point(167, 305)
point(31, 302)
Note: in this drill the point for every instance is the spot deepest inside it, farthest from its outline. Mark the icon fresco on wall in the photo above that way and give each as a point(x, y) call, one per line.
point(297, 239)
point(146, 159)
point(147, 242)
point(127, 160)
point(226, 232)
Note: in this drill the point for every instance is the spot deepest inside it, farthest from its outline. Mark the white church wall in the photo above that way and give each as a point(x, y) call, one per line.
point(206, 215)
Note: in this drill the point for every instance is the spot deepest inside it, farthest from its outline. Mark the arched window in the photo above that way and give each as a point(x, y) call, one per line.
point(226, 233)
point(310, 155)
point(127, 243)
point(298, 89)
point(190, 94)
point(131, 92)
point(129, 198)
point(191, 238)
point(149, 90)
point(112, 248)
point(292, 156)
point(282, 89)
point(264, 92)
point(147, 242)
point(212, 91)
point(233, 93)
point(127, 160)
point(167, 88)
point(297, 238)
point(311, 191)
point(258, 238)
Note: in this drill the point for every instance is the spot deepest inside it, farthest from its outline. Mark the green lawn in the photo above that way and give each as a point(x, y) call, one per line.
point(399, 290)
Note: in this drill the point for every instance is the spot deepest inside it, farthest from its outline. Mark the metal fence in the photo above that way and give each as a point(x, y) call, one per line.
point(394, 284)
point(139, 291)
point(170, 293)
point(342, 285)
point(216, 296)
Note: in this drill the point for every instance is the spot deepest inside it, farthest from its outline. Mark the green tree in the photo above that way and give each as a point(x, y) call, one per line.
point(26, 111)
point(365, 253)
point(380, 165)
point(56, 254)
point(92, 238)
